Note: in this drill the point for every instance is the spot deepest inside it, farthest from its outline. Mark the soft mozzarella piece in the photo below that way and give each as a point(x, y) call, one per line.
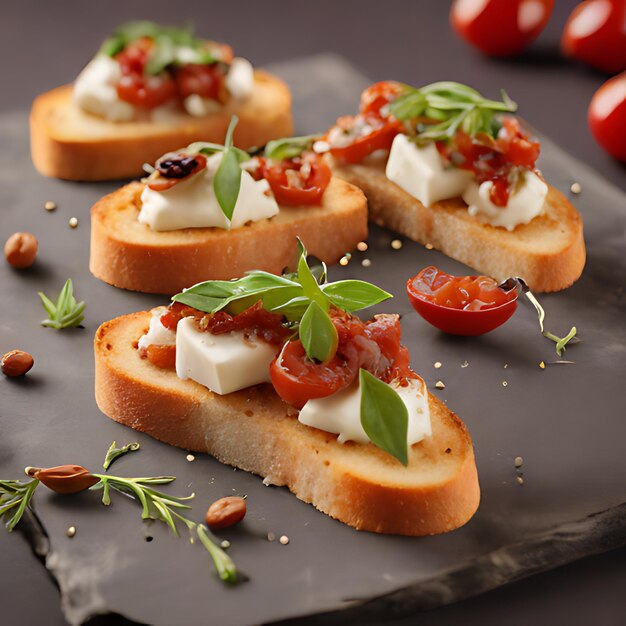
point(95, 90)
point(199, 107)
point(157, 334)
point(420, 171)
point(341, 412)
point(223, 363)
point(525, 203)
point(240, 79)
point(193, 204)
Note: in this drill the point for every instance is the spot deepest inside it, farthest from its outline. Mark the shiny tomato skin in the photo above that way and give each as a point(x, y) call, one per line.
point(378, 95)
point(595, 33)
point(296, 379)
point(148, 92)
point(379, 139)
point(500, 27)
point(453, 320)
point(607, 116)
point(204, 80)
point(313, 185)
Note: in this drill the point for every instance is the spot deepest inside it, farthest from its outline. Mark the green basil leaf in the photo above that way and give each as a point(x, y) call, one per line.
point(318, 333)
point(409, 105)
point(227, 183)
point(112, 46)
point(164, 54)
point(384, 416)
point(288, 147)
point(279, 297)
point(353, 295)
point(228, 141)
point(309, 281)
point(202, 303)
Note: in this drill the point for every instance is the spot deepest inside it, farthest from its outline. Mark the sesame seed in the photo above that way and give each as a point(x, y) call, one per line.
point(71, 531)
point(366, 263)
point(73, 222)
point(429, 246)
point(50, 206)
point(504, 383)
point(191, 457)
point(464, 364)
point(520, 480)
point(576, 188)
point(362, 246)
point(440, 384)
point(437, 364)
point(396, 244)
point(542, 365)
point(284, 540)
point(519, 461)
point(271, 536)
point(225, 544)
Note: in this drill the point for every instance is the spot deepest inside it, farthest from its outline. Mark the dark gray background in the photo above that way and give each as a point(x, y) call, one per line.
point(44, 44)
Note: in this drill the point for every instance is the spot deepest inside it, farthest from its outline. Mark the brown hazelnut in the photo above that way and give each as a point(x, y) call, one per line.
point(16, 363)
point(226, 512)
point(21, 250)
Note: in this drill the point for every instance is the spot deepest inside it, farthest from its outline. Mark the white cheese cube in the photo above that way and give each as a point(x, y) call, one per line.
point(341, 412)
point(525, 203)
point(223, 363)
point(420, 171)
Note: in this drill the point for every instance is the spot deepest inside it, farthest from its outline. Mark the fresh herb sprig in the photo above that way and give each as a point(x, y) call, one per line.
point(304, 298)
point(114, 452)
point(452, 106)
point(288, 147)
point(15, 497)
point(65, 312)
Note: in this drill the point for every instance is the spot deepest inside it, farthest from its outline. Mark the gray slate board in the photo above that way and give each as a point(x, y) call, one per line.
point(566, 421)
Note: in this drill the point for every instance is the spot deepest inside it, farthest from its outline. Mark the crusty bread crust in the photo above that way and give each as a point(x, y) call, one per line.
point(130, 255)
point(68, 143)
point(254, 430)
point(548, 253)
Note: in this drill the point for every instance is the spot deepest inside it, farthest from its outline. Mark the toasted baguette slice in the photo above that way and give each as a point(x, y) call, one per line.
point(548, 253)
point(130, 255)
point(254, 430)
point(67, 142)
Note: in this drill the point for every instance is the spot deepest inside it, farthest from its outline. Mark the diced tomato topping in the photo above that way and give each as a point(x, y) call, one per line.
point(467, 293)
point(206, 81)
point(355, 137)
point(493, 159)
point(161, 356)
point(379, 95)
point(299, 181)
point(172, 169)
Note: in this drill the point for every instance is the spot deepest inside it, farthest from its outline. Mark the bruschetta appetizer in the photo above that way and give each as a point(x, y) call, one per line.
point(212, 211)
point(447, 167)
point(276, 375)
point(148, 90)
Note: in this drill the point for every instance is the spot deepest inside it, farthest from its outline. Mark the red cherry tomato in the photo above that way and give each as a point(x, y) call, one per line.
point(297, 379)
point(378, 95)
point(500, 27)
point(206, 81)
point(460, 305)
point(607, 116)
point(595, 33)
point(363, 135)
point(299, 181)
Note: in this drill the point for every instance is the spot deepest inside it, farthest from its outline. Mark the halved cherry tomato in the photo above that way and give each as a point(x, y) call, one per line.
point(460, 305)
point(595, 33)
point(146, 91)
point(378, 95)
point(500, 27)
point(206, 81)
point(607, 116)
point(161, 356)
point(297, 379)
point(299, 181)
point(360, 136)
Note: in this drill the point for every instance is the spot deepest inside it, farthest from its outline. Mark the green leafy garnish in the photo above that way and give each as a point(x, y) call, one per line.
point(114, 453)
point(288, 147)
point(291, 295)
point(227, 181)
point(384, 416)
point(454, 106)
point(66, 312)
point(224, 565)
point(15, 497)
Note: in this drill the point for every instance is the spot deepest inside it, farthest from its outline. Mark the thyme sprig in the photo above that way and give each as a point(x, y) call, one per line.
point(65, 312)
point(15, 497)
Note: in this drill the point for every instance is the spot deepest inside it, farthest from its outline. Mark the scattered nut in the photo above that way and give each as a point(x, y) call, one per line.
point(284, 540)
point(16, 363)
point(396, 244)
point(226, 512)
point(190, 458)
point(50, 206)
point(440, 384)
point(71, 531)
point(542, 365)
point(576, 188)
point(429, 246)
point(73, 222)
point(464, 364)
point(361, 246)
point(520, 480)
point(519, 461)
point(344, 260)
point(437, 364)
point(504, 383)
point(225, 544)
point(366, 263)
point(21, 249)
